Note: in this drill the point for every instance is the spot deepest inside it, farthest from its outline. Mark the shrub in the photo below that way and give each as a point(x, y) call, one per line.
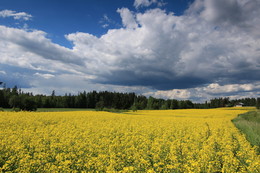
point(16, 109)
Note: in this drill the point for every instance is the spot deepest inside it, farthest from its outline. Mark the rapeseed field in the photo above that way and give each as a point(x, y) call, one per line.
point(143, 141)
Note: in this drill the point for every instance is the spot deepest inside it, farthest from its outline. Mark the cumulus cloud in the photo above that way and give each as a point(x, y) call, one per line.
point(35, 42)
point(147, 3)
point(128, 19)
point(15, 15)
point(181, 94)
point(213, 90)
point(160, 50)
point(24, 53)
point(233, 91)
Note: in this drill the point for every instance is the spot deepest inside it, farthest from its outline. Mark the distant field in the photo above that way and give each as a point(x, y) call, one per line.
point(70, 109)
point(62, 109)
point(190, 140)
point(56, 109)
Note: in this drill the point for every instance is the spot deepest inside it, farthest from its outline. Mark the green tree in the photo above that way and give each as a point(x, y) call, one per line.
point(174, 104)
point(134, 107)
point(14, 101)
point(150, 103)
point(28, 103)
point(258, 103)
point(100, 105)
point(2, 98)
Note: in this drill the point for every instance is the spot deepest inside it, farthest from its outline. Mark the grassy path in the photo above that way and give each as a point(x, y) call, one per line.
point(249, 124)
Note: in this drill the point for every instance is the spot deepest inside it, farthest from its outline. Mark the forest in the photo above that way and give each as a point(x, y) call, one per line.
point(16, 98)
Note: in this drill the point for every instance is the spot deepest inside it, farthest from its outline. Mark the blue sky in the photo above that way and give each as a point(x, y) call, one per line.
point(60, 17)
point(185, 49)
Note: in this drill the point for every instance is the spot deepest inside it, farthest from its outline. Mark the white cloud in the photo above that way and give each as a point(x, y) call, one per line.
point(106, 18)
point(105, 25)
point(215, 88)
point(15, 15)
point(180, 94)
point(128, 18)
point(106, 21)
point(147, 3)
point(36, 43)
point(45, 76)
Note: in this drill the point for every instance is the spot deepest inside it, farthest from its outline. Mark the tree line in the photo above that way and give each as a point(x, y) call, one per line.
point(16, 98)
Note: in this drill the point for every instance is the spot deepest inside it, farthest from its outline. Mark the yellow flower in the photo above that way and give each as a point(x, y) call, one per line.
point(144, 141)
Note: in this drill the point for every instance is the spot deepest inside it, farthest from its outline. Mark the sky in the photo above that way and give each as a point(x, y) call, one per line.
point(171, 49)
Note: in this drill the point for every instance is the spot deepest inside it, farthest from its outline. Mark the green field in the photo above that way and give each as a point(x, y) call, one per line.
point(55, 109)
point(249, 124)
point(69, 109)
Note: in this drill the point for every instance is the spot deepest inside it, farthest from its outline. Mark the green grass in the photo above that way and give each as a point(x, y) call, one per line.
point(6, 109)
point(115, 110)
point(249, 124)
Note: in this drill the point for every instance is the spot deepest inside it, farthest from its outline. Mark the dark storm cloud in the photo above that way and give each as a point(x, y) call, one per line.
point(155, 81)
point(242, 14)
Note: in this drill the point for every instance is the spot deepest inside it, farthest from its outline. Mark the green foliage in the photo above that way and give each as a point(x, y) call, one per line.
point(249, 123)
point(225, 102)
point(258, 103)
point(100, 105)
point(134, 108)
point(28, 104)
point(14, 101)
point(16, 109)
point(174, 104)
point(14, 97)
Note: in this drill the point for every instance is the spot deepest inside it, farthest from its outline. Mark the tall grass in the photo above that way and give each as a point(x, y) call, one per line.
point(249, 124)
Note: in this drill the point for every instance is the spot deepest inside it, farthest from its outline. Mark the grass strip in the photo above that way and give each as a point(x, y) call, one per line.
point(249, 124)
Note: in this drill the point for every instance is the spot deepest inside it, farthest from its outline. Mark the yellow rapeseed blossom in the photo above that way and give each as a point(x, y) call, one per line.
point(144, 141)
